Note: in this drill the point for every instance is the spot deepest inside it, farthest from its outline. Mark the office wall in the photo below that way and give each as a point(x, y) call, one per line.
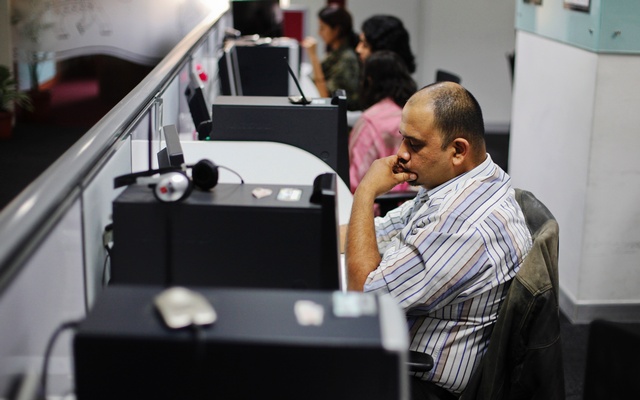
point(472, 38)
point(469, 38)
point(551, 137)
point(574, 131)
point(610, 26)
point(140, 31)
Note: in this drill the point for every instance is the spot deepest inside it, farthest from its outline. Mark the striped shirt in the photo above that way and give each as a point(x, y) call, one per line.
point(448, 257)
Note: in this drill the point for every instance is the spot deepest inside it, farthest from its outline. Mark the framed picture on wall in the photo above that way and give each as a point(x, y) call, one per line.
point(536, 2)
point(580, 5)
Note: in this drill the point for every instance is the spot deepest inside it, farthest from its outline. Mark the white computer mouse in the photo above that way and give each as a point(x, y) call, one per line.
point(181, 307)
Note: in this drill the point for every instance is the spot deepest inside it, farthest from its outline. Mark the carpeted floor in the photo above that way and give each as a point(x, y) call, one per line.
point(574, 352)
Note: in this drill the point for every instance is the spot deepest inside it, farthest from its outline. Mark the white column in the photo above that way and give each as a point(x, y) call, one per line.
point(575, 130)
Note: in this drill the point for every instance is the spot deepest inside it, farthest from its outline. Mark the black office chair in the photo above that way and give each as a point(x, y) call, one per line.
point(524, 357)
point(391, 200)
point(446, 76)
point(511, 60)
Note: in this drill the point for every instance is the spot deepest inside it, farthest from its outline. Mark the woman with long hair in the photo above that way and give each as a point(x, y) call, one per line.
point(340, 68)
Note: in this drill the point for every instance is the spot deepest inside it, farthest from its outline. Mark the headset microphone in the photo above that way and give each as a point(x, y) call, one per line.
point(172, 184)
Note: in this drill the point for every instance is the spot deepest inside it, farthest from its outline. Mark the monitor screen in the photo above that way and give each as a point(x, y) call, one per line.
point(171, 155)
point(275, 119)
point(198, 106)
point(257, 17)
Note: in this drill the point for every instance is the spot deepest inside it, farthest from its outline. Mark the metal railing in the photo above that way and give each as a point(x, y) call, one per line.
point(29, 217)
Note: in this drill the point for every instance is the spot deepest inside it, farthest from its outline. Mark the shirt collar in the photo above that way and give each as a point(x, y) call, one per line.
point(487, 167)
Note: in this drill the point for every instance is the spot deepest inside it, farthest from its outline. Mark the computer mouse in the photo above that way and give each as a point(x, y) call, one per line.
point(181, 307)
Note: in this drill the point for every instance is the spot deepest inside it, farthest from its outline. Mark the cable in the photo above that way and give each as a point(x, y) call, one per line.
point(220, 166)
point(42, 395)
point(232, 171)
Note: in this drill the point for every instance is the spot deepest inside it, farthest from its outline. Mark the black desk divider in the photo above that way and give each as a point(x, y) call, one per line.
point(319, 127)
point(229, 237)
point(265, 344)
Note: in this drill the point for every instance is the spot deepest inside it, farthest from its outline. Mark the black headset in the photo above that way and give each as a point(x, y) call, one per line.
point(172, 184)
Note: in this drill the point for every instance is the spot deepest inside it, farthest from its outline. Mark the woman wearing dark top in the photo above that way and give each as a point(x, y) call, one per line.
point(340, 69)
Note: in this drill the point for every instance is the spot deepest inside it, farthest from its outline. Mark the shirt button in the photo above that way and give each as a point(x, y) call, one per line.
point(414, 231)
point(420, 224)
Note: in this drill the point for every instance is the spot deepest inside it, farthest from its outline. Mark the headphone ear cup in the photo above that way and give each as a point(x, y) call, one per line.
point(205, 174)
point(172, 187)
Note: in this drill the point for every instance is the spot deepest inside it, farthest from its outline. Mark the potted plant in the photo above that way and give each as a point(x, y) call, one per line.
point(29, 19)
point(9, 96)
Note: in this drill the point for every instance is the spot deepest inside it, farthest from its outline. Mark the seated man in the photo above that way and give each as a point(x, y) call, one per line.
point(448, 255)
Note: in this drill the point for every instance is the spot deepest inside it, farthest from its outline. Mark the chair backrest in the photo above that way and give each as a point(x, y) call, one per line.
point(535, 212)
point(388, 201)
point(525, 354)
point(511, 60)
point(446, 76)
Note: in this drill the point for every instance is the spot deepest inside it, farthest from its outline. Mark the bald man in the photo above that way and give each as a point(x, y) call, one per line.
point(448, 255)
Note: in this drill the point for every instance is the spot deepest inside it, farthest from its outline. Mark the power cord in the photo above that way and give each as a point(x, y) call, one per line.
point(42, 395)
point(232, 171)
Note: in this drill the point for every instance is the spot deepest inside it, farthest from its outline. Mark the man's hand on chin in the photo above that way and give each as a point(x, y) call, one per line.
point(362, 248)
point(383, 175)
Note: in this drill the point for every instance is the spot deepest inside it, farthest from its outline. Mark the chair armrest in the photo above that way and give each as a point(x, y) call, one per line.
point(420, 362)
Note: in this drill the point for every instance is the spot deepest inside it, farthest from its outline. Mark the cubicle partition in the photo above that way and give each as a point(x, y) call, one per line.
point(53, 263)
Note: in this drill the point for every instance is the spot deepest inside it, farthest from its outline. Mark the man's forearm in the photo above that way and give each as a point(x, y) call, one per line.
point(362, 249)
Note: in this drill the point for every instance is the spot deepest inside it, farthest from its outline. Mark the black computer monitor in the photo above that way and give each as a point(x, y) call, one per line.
point(257, 17)
point(171, 155)
point(254, 67)
point(319, 128)
point(198, 106)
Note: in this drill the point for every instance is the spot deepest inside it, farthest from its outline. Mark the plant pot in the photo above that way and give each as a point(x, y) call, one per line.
point(6, 125)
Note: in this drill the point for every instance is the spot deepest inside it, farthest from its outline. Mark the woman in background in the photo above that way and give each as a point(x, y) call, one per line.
point(340, 68)
point(386, 87)
point(385, 32)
